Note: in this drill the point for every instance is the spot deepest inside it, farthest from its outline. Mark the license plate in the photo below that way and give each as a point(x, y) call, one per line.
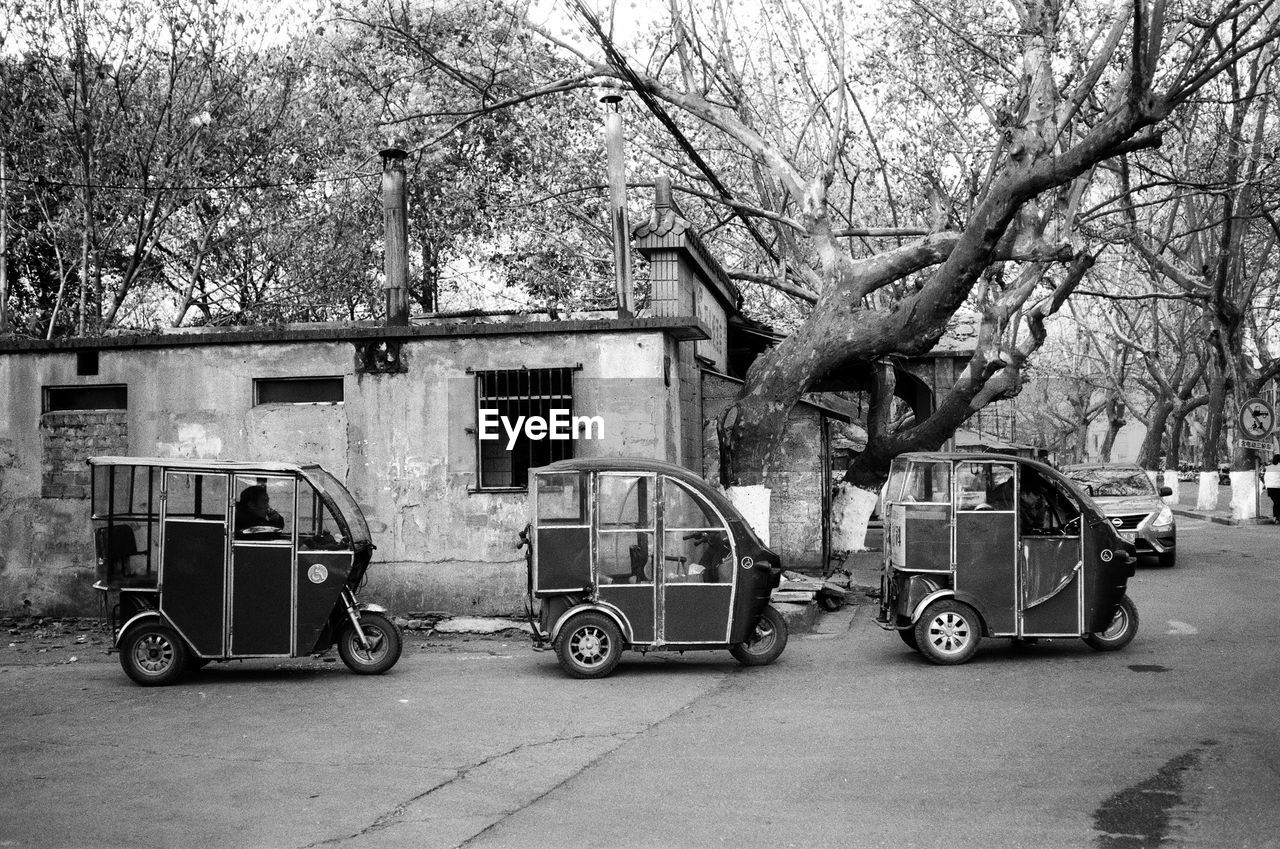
point(1128, 536)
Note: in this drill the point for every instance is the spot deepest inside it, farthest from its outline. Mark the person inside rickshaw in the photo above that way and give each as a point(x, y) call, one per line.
point(254, 514)
point(1043, 509)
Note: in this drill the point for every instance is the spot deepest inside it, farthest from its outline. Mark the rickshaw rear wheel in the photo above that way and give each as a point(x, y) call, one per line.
point(948, 632)
point(386, 645)
point(1121, 631)
point(766, 642)
point(153, 654)
point(589, 645)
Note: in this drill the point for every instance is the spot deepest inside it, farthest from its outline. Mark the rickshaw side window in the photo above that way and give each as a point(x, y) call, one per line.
point(927, 483)
point(897, 476)
point(317, 527)
point(196, 496)
point(626, 501)
point(984, 486)
point(562, 499)
point(624, 557)
point(683, 509)
point(696, 547)
point(264, 507)
point(126, 491)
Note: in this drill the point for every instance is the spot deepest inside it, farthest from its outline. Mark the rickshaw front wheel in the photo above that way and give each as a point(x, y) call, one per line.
point(153, 655)
point(948, 632)
point(1121, 631)
point(765, 643)
point(589, 645)
point(384, 640)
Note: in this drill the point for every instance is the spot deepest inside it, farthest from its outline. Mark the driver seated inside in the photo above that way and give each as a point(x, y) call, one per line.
point(254, 513)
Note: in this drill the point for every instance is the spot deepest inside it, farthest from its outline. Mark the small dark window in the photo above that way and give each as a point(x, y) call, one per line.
point(87, 363)
point(60, 398)
point(298, 390)
point(509, 394)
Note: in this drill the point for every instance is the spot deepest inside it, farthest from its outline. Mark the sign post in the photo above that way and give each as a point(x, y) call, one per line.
point(1257, 420)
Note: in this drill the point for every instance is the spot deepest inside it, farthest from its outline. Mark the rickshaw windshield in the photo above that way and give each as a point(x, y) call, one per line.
point(347, 511)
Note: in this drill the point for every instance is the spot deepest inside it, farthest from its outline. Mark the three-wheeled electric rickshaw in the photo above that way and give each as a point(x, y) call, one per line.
point(209, 560)
point(993, 545)
point(644, 555)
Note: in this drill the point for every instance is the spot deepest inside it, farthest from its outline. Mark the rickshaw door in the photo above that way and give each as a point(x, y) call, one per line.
point(697, 572)
point(625, 549)
point(1050, 582)
point(986, 548)
point(193, 569)
point(261, 601)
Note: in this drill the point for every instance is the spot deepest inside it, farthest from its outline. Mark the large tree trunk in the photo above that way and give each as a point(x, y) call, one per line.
point(1152, 444)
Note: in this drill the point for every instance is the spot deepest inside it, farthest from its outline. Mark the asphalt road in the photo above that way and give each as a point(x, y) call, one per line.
point(849, 740)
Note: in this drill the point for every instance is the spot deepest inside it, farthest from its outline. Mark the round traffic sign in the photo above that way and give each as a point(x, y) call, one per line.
point(1257, 418)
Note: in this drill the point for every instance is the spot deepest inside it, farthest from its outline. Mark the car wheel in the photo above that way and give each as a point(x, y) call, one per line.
point(765, 643)
point(589, 645)
point(384, 649)
point(948, 632)
point(1121, 631)
point(153, 655)
point(1168, 560)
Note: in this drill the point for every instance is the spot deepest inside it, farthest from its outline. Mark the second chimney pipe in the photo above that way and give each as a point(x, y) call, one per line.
point(617, 159)
point(396, 236)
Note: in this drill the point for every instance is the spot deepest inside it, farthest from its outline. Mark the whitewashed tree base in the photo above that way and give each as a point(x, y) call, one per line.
point(1244, 496)
point(1208, 495)
point(753, 503)
point(1171, 481)
point(851, 510)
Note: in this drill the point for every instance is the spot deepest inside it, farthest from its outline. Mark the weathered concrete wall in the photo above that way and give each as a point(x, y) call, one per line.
point(795, 481)
point(404, 443)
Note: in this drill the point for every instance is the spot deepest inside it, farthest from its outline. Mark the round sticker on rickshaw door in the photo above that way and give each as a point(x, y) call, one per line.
point(318, 574)
point(1106, 555)
point(747, 562)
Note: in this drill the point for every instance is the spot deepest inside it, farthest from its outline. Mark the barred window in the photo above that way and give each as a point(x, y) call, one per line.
point(507, 400)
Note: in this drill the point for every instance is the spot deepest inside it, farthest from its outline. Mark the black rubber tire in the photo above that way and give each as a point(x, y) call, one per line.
point(948, 632)
point(195, 663)
point(387, 645)
point(766, 643)
point(1123, 628)
point(830, 603)
point(589, 645)
point(908, 636)
point(1168, 560)
point(153, 654)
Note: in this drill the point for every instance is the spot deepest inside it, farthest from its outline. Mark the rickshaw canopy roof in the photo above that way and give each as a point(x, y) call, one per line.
point(201, 465)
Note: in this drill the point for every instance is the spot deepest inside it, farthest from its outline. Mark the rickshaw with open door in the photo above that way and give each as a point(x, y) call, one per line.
point(644, 555)
point(210, 560)
point(998, 546)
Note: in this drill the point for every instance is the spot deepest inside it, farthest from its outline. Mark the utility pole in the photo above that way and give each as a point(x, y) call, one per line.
point(396, 236)
point(617, 168)
point(4, 243)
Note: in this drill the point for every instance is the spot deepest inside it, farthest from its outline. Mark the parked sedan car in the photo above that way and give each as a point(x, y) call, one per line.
point(1133, 504)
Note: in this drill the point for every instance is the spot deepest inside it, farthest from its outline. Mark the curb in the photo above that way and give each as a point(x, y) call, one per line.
point(1221, 520)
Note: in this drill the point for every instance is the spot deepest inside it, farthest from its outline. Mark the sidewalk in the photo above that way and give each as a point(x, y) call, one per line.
point(1222, 513)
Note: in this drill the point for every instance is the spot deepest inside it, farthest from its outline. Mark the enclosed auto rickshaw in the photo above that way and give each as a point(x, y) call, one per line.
point(644, 555)
point(998, 546)
point(209, 560)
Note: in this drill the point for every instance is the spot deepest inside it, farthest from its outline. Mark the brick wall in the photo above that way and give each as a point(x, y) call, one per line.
point(68, 439)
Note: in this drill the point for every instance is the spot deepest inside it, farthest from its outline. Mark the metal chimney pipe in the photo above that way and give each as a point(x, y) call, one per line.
point(396, 235)
point(617, 171)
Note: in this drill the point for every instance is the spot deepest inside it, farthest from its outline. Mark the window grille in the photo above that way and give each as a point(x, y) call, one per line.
point(514, 393)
